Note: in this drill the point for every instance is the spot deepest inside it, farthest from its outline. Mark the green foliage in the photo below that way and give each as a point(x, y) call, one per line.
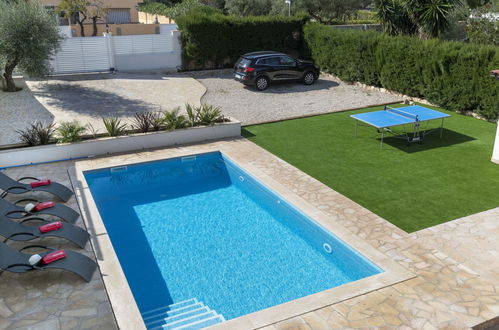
point(248, 7)
point(203, 115)
point(191, 114)
point(70, 131)
point(215, 41)
point(451, 74)
point(36, 134)
point(146, 121)
point(327, 11)
point(114, 126)
point(481, 28)
point(29, 36)
point(209, 114)
point(177, 10)
point(173, 120)
point(427, 18)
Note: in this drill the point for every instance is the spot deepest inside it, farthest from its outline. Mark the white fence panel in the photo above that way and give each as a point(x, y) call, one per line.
point(133, 52)
point(141, 44)
point(82, 55)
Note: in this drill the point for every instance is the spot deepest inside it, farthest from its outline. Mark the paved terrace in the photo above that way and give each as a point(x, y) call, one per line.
point(448, 291)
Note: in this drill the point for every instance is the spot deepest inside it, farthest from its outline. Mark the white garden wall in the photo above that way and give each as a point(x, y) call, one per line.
point(104, 146)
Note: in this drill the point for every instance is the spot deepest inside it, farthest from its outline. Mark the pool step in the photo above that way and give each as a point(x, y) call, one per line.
point(189, 314)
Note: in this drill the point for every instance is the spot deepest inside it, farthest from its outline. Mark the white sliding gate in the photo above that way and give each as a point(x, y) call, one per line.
point(128, 53)
point(82, 55)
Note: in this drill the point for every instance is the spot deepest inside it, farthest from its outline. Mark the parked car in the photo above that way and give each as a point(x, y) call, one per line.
point(259, 69)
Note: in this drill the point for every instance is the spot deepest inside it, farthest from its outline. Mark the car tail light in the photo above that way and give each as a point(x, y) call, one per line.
point(249, 69)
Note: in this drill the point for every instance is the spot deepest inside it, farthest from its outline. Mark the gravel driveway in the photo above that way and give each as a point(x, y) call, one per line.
point(287, 100)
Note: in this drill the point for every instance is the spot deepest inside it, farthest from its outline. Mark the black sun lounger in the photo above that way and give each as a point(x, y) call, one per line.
point(14, 211)
point(16, 261)
point(11, 186)
point(18, 231)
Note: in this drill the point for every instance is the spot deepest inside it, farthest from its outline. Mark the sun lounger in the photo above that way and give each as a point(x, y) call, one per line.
point(18, 231)
point(15, 211)
point(16, 261)
point(11, 186)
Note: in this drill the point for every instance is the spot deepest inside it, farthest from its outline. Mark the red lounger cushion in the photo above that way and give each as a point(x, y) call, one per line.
point(50, 227)
point(53, 256)
point(42, 206)
point(39, 183)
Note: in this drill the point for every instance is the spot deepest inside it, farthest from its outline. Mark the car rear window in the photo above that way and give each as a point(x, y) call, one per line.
point(243, 62)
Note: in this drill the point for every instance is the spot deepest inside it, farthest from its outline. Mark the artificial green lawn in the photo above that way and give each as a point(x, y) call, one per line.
point(412, 187)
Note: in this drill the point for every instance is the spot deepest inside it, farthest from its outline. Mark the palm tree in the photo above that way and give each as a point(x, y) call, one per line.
point(430, 16)
point(426, 18)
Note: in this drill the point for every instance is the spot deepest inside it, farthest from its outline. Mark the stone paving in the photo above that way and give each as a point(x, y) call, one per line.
point(89, 97)
point(473, 241)
point(445, 294)
point(52, 300)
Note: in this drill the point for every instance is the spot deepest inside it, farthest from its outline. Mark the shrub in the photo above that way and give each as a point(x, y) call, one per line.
point(173, 120)
point(209, 114)
point(70, 131)
point(114, 126)
point(36, 134)
point(156, 121)
point(142, 121)
point(191, 114)
point(28, 136)
point(451, 74)
point(216, 41)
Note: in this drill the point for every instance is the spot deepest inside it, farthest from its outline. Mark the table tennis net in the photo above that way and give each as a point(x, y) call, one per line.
point(402, 113)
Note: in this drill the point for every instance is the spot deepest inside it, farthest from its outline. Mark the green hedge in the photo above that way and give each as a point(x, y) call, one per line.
point(451, 74)
point(216, 41)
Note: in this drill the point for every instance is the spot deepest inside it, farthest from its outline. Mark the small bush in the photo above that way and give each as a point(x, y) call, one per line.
point(36, 134)
point(114, 126)
point(173, 120)
point(209, 115)
point(191, 114)
point(28, 136)
point(70, 131)
point(156, 121)
point(142, 121)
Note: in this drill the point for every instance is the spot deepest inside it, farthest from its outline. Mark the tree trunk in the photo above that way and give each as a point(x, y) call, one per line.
point(94, 23)
point(82, 29)
point(7, 75)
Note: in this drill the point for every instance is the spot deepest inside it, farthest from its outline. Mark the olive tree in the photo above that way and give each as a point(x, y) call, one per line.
point(28, 37)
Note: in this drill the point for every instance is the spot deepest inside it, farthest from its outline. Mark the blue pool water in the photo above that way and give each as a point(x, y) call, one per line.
point(201, 227)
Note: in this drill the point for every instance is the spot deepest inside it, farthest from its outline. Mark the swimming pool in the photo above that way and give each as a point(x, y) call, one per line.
point(200, 227)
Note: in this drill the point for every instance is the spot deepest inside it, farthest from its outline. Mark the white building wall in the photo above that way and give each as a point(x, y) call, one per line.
point(495, 153)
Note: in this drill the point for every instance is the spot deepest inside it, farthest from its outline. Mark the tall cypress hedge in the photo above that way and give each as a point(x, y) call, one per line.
point(451, 74)
point(216, 41)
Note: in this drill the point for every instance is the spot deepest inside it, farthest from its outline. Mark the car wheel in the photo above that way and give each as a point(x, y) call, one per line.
point(261, 83)
point(309, 78)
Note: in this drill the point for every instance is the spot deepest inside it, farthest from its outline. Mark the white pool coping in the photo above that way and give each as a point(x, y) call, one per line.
point(122, 301)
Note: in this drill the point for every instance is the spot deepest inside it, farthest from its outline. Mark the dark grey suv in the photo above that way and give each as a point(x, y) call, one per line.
point(259, 69)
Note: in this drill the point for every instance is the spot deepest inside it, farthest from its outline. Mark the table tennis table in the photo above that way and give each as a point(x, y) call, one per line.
point(413, 117)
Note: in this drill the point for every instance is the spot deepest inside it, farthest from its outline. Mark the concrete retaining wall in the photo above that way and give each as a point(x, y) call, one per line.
point(103, 146)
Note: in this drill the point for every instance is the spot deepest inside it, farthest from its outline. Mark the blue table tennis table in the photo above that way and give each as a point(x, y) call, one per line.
point(411, 119)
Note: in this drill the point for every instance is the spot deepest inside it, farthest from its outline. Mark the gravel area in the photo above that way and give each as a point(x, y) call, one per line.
point(284, 100)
